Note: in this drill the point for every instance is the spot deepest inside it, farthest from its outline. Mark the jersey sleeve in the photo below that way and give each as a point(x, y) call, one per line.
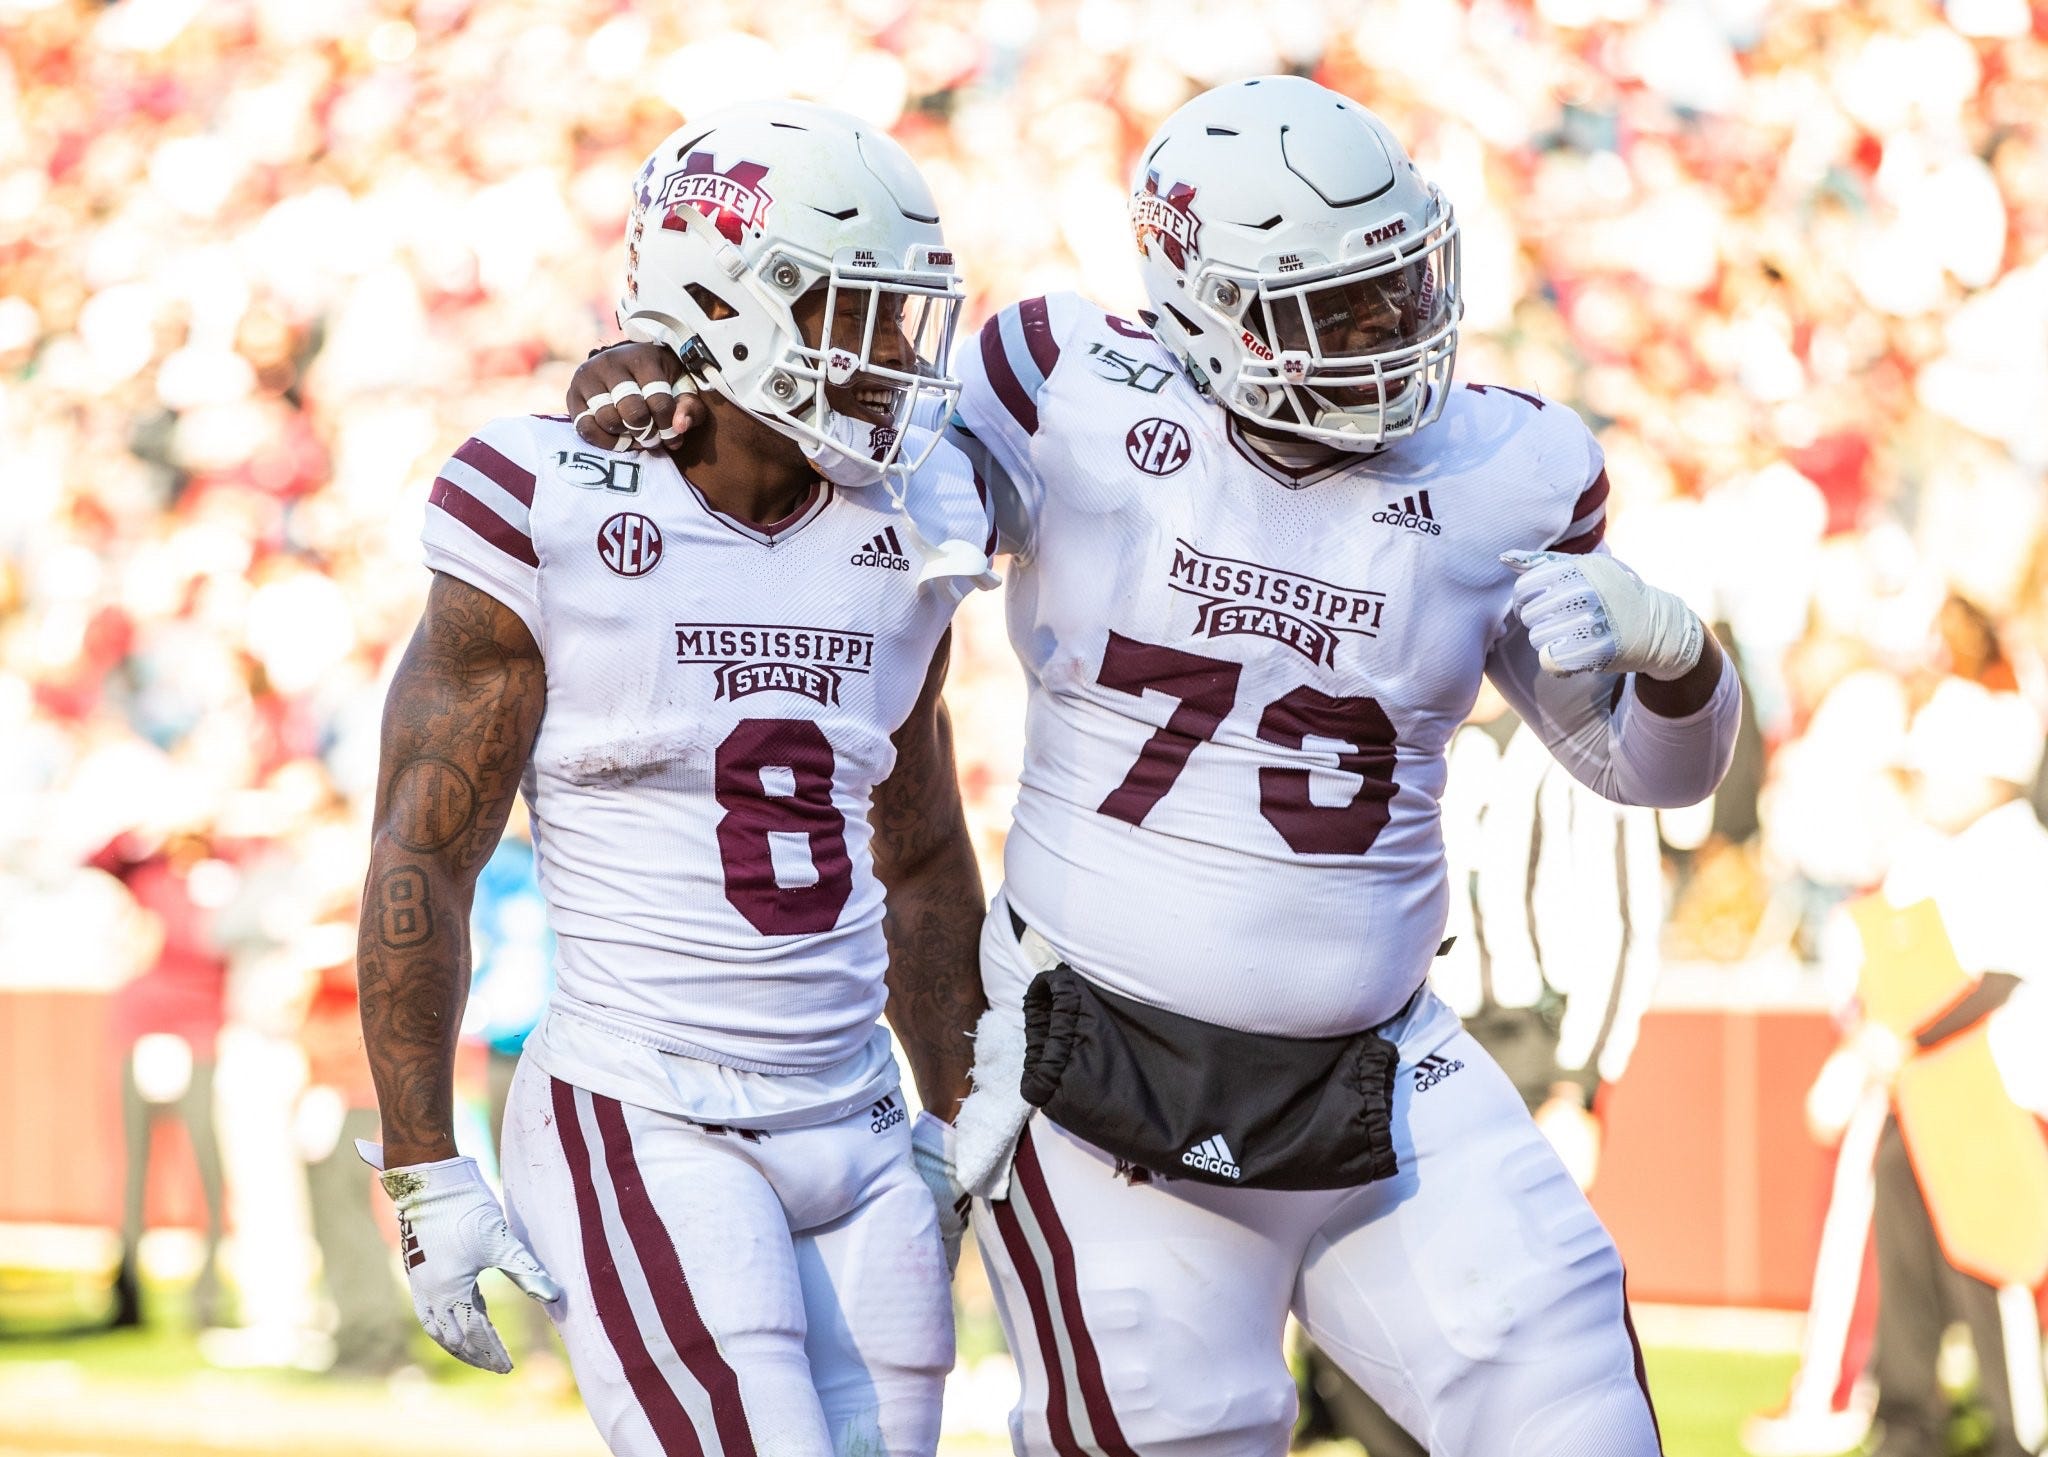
point(479, 518)
point(1004, 374)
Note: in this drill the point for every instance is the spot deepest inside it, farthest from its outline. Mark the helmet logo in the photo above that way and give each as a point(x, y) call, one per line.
point(1169, 217)
point(840, 365)
point(732, 199)
point(1380, 234)
point(1157, 447)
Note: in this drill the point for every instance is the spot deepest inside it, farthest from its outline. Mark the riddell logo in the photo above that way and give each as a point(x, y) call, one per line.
point(884, 551)
point(732, 199)
point(1411, 512)
point(1255, 344)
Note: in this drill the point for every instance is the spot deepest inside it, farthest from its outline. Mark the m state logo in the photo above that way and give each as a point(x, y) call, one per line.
point(629, 544)
point(1158, 447)
point(733, 199)
point(1169, 217)
point(750, 658)
point(1240, 597)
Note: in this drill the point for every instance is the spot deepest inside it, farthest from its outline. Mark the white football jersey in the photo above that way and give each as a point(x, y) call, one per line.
point(720, 701)
point(1242, 680)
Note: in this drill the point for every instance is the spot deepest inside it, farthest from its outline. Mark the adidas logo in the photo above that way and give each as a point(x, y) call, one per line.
point(1214, 1155)
point(409, 1243)
point(884, 551)
point(885, 1114)
point(1433, 1070)
point(1412, 512)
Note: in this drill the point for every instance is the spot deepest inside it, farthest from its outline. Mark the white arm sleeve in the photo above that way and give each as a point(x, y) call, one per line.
point(1607, 740)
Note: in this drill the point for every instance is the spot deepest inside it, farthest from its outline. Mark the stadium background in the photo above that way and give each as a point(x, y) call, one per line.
point(264, 262)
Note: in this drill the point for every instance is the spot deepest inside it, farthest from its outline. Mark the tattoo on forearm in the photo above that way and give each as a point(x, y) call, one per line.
point(405, 915)
point(432, 803)
point(934, 906)
point(458, 727)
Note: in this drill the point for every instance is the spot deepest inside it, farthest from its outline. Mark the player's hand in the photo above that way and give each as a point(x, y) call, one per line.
point(930, 1150)
point(451, 1230)
point(633, 397)
point(1591, 614)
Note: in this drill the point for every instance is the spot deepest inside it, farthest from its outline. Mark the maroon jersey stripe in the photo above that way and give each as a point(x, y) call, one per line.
point(1037, 320)
point(1058, 1423)
point(1593, 496)
point(483, 521)
point(1009, 389)
point(1094, 1394)
point(1585, 541)
point(513, 477)
point(981, 490)
point(672, 1425)
point(1642, 1373)
point(665, 1280)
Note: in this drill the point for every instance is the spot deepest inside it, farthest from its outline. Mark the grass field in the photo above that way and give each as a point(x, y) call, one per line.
point(151, 1393)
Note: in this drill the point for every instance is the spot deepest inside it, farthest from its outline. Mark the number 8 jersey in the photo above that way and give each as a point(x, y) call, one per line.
point(1242, 678)
point(720, 701)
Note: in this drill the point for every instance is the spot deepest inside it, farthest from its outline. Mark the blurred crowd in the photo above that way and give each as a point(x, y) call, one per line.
point(263, 263)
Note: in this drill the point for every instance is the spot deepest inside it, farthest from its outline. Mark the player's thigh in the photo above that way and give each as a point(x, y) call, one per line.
point(682, 1313)
point(877, 1302)
point(1144, 1317)
point(1476, 1295)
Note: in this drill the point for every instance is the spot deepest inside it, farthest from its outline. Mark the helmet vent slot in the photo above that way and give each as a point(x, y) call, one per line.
point(1221, 131)
point(715, 308)
point(1268, 225)
point(842, 215)
point(1185, 322)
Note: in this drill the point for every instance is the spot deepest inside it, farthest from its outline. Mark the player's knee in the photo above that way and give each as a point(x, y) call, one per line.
point(1611, 1418)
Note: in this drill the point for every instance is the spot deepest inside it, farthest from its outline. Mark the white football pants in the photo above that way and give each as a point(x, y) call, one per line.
point(1475, 1295)
point(731, 1293)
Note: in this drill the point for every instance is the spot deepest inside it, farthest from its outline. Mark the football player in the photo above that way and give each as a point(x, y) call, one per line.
point(1265, 549)
point(715, 677)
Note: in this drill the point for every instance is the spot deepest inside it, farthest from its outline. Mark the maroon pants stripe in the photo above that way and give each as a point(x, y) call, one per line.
point(663, 1268)
point(672, 1425)
point(1025, 1263)
point(1094, 1392)
point(1642, 1372)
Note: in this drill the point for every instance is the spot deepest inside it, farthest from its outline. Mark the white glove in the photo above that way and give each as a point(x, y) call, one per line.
point(1591, 614)
point(451, 1230)
point(931, 1139)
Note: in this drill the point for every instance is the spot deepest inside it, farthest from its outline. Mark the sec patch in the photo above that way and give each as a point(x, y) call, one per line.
point(629, 544)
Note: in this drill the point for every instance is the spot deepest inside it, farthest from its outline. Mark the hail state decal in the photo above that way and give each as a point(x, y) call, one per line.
point(1169, 217)
point(733, 199)
point(1240, 597)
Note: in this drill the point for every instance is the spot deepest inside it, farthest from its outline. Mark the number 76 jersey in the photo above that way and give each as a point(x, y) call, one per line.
point(1242, 680)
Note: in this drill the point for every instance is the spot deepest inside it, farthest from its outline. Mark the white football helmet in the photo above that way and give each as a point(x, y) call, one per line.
point(736, 217)
point(1297, 263)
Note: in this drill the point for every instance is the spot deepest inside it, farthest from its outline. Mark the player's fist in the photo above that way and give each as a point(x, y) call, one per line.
point(633, 397)
point(931, 1149)
point(1591, 614)
point(450, 1231)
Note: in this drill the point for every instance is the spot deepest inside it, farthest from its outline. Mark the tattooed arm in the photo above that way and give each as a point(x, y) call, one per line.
point(926, 864)
point(458, 726)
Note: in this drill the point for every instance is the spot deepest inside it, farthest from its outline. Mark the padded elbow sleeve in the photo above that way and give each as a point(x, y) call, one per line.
point(1667, 763)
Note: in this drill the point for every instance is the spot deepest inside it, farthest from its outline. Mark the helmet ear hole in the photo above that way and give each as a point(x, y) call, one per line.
point(715, 308)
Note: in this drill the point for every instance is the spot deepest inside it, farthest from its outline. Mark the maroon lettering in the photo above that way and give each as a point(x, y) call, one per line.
point(1315, 829)
point(754, 809)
